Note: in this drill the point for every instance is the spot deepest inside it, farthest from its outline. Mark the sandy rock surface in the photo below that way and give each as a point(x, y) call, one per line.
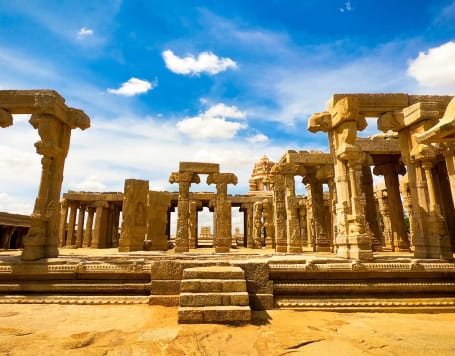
point(152, 330)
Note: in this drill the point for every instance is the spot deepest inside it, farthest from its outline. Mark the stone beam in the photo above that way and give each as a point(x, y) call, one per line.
point(199, 167)
point(307, 158)
point(39, 102)
point(380, 144)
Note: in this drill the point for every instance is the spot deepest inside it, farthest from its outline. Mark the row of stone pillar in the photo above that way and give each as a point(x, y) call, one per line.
point(89, 224)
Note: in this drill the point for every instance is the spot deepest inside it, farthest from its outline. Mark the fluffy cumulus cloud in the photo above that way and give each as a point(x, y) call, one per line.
point(85, 32)
point(134, 86)
point(259, 138)
point(212, 123)
point(435, 68)
point(205, 62)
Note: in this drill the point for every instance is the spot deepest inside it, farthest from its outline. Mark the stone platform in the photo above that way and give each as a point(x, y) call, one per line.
point(305, 281)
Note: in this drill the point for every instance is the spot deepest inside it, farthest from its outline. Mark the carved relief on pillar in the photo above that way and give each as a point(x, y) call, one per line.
point(184, 179)
point(62, 223)
point(257, 225)
point(279, 212)
point(223, 233)
point(384, 211)
point(390, 171)
point(269, 227)
point(134, 224)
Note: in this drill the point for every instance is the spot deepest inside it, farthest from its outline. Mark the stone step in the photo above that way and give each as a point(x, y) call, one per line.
point(214, 299)
point(212, 285)
point(214, 314)
point(214, 272)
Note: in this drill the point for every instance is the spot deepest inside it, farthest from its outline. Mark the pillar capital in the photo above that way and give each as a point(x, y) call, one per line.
point(184, 177)
point(6, 119)
point(390, 168)
point(222, 178)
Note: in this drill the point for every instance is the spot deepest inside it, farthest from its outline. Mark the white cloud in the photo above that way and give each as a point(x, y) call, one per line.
point(435, 68)
point(85, 32)
point(92, 183)
point(210, 127)
point(347, 7)
point(134, 86)
point(259, 138)
point(212, 123)
point(221, 110)
point(206, 62)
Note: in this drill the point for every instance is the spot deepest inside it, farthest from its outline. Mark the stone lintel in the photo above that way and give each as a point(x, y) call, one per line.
point(199, 167)
point(345, 109)
point(15, 219)
point(379, 144)
point(372, 105)
point(38, 102)
point(94, 196)
point(421, 111)
point(308, 158)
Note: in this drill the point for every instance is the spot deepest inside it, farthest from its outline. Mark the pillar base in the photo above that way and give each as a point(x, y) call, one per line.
point(295, 249)
point(220, 249)
point(131, 248)
point(37, 252)
point(179, 249)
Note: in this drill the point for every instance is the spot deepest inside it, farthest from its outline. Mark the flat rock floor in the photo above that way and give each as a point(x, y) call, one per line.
point(153, 330)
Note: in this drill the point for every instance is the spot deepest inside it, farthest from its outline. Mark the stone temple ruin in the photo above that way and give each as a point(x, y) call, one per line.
point(346, 244)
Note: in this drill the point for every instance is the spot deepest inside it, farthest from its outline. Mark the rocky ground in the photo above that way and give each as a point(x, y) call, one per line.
point(152, 330)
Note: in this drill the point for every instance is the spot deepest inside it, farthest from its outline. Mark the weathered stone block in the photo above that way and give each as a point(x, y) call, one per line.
point(214, 272)
point(165, 286)
point(165, 300)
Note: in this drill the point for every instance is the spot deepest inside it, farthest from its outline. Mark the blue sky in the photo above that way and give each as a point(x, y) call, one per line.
point(215, 81)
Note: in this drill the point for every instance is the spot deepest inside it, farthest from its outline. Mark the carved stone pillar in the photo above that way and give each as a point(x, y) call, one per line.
point(303, 222)
point(134, 224)
point(62, 223)
point(88, 227)
point(70, 236)
point(223, 233)
point(407, 206)
point(192, 229)
point(248, 224)
point(292, 214)
point(320, 226)
point(257, 225)
point(279, 202)
point(370, 209)
point(269, 228)
point(115, 225)
point(80, 225)
point(435, 219)
point(184, 179)
point(390, 172)
point(384, 211)
point(449, 155)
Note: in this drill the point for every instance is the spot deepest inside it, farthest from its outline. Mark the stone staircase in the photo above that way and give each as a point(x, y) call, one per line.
point(213, 295)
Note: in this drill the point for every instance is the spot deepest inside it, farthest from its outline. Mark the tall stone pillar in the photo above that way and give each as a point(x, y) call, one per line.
point(71, 236)
point(62, 223)
point(248, 224)
point(193, 224)
point(223, 233)
point(390, 172)
point(88, 227)
point(292, 214)
point(321, 227)
point(371, 210)
point(54, 121)
point(158, 220)
point(115, 225)
point(184, 179)
point(80, 225)
point(257, 225)
point(407, 206)
point(384, 211)
point(279, 211)
point(303, 222)
point(267, 209)
point(449, 155)
point(134, 224)
point(99, 231)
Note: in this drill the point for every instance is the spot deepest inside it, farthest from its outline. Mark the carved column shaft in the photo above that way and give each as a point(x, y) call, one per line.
point(279, 213)
point(80, 226)
point(62, 223)
point(88, 227)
